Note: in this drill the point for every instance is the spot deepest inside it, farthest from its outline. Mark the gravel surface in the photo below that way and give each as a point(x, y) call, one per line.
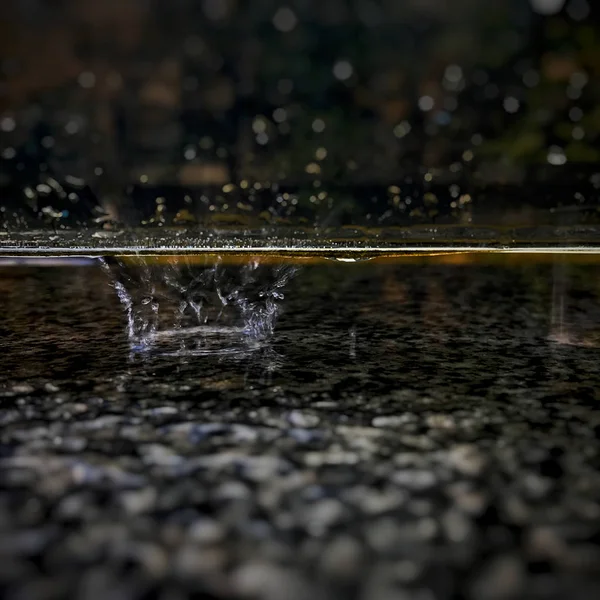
point(411, 432)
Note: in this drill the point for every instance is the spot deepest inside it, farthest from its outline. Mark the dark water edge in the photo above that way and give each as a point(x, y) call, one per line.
point(412, 430)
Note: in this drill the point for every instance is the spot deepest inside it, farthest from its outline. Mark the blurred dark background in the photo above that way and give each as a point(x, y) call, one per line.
point(194, 94)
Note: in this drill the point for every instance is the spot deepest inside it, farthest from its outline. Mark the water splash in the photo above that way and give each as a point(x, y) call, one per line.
point(192, 306)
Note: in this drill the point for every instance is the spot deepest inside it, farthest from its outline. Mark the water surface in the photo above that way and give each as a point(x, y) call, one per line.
point(425, 428)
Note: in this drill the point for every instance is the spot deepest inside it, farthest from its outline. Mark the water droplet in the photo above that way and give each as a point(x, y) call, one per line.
point(87, 80)
point(285, 19)
point(7, 124)
point(453, 73)
point(318, 126)
point(343, 70)
point(556, 156)
point(511, 104)
point(426, 103)
point(547, 7)
point(346, 259)
point(402, 129)
point(279, 115)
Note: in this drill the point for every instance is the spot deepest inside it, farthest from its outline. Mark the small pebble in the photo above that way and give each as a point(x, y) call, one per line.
point(500, 579)
point(23, 388)
point(342, 559)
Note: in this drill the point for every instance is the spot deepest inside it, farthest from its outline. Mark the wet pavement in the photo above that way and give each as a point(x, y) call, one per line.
point(412, 431)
